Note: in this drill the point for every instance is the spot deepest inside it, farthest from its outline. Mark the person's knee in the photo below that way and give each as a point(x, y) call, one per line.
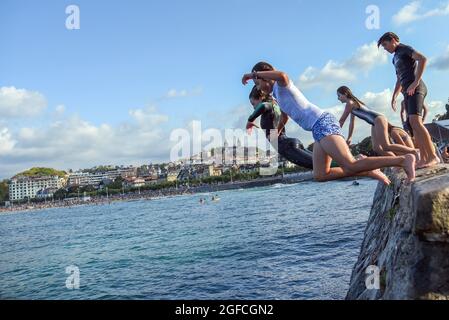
point(415, 122)
point(378, 149)
point(386, 147)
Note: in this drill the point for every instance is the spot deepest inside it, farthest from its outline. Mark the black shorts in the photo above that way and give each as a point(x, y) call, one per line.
point(415, 104)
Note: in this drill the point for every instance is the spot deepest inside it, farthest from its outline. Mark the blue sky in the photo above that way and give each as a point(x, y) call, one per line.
point(171, 62)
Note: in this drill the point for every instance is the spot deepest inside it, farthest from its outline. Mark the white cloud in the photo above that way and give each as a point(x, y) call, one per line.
point(327, 77)
point(366, 57)
point(441, 62)
point(72, 142)
point(60, 109)
point(6, 142)
point(414, 11)
point(148, 117)
point(18, 103)
point(334, 74)
point(435, 108)
point(174, 93)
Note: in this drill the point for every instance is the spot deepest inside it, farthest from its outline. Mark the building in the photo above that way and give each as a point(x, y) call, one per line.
point(152, 180)
point(184, 175)
point(172, 175)
point(134, 182)
point(249, 168)
point(46, 193)
point(215, 171)
point(21, 187)
point(94, 179)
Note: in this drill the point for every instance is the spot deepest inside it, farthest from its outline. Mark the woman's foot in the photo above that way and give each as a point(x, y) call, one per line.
point(409, 167)
point(428, 164)
point(378, 175)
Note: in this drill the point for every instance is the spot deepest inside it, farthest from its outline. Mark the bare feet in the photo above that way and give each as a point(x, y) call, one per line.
point(378, 175)
point(430, 163)
point(409, 167)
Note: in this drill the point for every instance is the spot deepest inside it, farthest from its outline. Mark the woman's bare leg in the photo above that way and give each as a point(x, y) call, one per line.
point(382, 137)
point(408, 141)
point(397, 138)
point(377, 147)
point(335, 146)
point(323, 172)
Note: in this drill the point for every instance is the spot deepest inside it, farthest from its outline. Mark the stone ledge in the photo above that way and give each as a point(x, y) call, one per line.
point(407, 238)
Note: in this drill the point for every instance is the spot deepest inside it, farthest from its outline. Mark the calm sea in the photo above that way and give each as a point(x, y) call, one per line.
point(279, 242)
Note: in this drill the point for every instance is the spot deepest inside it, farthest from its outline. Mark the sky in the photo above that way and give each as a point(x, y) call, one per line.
point(113, 91)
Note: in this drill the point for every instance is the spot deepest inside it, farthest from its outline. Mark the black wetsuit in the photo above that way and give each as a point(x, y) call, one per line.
point(365, 114)
point(289, 148)
point(405, 70)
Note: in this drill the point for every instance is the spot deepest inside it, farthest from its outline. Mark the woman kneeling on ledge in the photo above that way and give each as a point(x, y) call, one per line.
point(380, 130)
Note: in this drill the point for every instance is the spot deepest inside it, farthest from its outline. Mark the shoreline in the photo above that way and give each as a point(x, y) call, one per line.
point(162, 194)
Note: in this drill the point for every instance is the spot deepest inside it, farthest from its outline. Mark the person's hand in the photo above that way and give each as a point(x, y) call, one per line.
point(249, 127)
point(393, 104)
point(246, 78)
point(412, 88)
point(349, 142)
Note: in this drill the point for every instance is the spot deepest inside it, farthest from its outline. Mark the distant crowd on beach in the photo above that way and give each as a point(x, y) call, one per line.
point(143, 195)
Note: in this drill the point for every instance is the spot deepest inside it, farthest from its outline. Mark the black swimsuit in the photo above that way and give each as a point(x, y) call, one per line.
point(365, 114)
point(290, 148)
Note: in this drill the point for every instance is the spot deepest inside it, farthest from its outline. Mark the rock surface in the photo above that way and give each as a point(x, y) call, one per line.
point(407, 240)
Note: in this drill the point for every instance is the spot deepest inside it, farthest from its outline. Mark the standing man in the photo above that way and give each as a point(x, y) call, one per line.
point(410, 65)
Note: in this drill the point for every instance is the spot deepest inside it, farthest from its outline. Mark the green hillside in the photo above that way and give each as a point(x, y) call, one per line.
point(36, 172)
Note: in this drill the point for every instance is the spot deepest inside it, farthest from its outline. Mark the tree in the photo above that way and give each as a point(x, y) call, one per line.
point(117, 184)
point(74, 189)
point(310, 147)
point(33, 172)
point(88, 188)
point(4, 191)
point(60, 194)
point(440, 117)
point(365, 147)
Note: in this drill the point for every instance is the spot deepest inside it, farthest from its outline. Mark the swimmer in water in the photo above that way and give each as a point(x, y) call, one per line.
point(329, 140)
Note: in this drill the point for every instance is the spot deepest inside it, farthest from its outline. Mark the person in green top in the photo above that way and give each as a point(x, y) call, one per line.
point(270, 116)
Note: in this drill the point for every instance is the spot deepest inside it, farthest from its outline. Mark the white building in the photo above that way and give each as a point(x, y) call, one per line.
point(28, 187)
point(94, 179)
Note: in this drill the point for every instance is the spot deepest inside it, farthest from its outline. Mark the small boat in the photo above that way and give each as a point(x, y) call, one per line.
point(356, 183)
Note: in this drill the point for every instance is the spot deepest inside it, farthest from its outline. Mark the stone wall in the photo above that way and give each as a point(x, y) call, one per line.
point(407, 239)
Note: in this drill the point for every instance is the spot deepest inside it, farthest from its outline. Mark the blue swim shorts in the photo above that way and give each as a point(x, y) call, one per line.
point(326, 125)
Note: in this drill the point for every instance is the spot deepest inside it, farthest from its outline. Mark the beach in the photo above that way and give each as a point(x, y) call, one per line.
point(169, 192)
